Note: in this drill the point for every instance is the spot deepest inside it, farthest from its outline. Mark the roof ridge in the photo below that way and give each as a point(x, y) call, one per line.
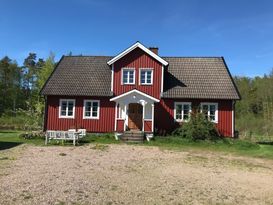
point(87, 56)
point(191, 56)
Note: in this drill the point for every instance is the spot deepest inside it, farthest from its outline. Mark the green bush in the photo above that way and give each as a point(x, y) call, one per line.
point(198, 128)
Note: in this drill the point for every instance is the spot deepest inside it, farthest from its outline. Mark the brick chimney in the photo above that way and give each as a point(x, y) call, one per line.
point(154, 50)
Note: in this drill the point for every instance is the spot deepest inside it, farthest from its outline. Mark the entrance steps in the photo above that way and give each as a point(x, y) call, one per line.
point(133, 136)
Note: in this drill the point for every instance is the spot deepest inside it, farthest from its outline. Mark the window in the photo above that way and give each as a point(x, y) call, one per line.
point(91, 109)
point(210, 111)
point(128, 76)
point(182, 111)
point(146, 76)
point(66, 108)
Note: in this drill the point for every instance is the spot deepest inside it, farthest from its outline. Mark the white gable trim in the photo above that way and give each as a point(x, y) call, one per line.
point(135, 91)
point(137, 45)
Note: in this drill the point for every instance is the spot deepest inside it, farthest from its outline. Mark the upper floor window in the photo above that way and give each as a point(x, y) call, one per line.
point(146, 76)
point(91, 109)
point(67, 108)
point(210, 111)
point(128, 76)
point(182, 111)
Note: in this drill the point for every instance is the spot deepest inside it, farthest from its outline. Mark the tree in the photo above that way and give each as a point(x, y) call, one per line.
point(10, 84)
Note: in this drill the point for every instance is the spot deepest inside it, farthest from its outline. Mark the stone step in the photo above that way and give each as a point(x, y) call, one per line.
point(132, 136)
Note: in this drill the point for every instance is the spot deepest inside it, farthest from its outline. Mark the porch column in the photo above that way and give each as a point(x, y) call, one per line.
point(126, 117)
point(116, 108)
point(153, 111)
point(143, 116)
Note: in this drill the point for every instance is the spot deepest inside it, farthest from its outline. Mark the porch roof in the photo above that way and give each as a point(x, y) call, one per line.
point(132, 95)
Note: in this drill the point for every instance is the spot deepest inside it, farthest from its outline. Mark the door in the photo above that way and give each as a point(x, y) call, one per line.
point(135, 116)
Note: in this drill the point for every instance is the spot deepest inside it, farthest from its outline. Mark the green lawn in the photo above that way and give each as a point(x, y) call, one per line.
point(9, 139)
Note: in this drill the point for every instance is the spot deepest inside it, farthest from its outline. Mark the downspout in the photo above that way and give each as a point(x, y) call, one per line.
point(233, 118)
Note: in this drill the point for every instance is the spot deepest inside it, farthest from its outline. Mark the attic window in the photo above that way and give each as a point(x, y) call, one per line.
point(146, 76)
point(128, 76)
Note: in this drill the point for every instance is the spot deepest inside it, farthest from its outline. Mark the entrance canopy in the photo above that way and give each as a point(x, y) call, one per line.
point(134, 96)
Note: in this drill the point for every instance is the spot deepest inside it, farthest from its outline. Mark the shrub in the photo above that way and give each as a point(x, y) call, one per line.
point(198, 128)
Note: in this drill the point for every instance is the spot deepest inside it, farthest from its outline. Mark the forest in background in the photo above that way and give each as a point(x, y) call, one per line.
point(22, 107)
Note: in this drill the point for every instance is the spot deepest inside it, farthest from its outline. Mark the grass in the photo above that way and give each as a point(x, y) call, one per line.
point(9, 139)
point(234, 146)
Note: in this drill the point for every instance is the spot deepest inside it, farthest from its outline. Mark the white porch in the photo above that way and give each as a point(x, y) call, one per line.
point(128, 113)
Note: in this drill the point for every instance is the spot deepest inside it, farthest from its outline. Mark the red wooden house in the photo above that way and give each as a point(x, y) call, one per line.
point(138, 90)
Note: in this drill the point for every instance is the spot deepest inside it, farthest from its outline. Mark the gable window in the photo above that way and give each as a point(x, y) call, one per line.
point(146, 76)
point(128, 76)
point(182, 111)
point(210, 111)
point(67, 108)
point(91, 109)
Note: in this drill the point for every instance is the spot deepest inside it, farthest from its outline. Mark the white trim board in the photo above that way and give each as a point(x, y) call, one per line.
point(142, 47)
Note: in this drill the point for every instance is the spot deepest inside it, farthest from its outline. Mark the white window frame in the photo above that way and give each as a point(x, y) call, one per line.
point(128, 83)
point(66, 114)
point(216, 110)
point(182, 114)
point(152, 76)
point(91, 111)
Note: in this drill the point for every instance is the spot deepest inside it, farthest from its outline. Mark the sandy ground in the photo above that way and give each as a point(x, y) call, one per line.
point(126, 174)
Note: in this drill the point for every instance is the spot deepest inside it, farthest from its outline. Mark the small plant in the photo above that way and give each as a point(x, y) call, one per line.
point(198, 128)
point(62, 154)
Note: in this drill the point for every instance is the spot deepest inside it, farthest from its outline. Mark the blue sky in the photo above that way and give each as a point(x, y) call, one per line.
point(239, 30)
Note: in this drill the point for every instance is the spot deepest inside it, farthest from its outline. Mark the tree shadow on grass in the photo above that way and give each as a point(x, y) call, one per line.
point(8, 145)
point(265, 142)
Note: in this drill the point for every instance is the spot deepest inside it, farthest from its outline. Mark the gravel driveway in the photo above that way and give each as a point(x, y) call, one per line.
point(127, 174)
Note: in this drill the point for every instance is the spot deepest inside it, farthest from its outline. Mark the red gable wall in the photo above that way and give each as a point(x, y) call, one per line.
point(138, 59)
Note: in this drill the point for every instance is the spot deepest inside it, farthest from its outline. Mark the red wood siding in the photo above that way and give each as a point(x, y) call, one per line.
point(148, 126)
point(105, 123)
point(120, 125)
point(138, 59)
point(163, 121)
point(164, 115)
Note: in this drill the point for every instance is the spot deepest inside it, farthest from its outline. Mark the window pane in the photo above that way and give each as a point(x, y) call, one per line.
point(70, 105)
point(63, 108)
point(186, 117)
point(142, 76)
point(178, 116)
point(212, 117)
point(88, 106)
point(87, 113)
point(95, 104)
point(131, 76)
point(94, 113)
point(178, 112)
point(186, 107)
point(149, 77)
point(125, 76)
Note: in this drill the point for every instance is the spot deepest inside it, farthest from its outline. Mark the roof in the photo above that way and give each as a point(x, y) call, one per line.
point(79, 76)
point(142, 47)
point(186, 77)
point(199, 77)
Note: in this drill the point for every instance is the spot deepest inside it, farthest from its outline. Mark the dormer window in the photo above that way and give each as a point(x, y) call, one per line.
point(128, 76)
point(146, 76)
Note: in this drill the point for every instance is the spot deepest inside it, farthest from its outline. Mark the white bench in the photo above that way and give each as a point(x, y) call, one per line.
point(70, 135)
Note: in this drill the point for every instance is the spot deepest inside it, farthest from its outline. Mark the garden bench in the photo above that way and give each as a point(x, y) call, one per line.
point(70, 135)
